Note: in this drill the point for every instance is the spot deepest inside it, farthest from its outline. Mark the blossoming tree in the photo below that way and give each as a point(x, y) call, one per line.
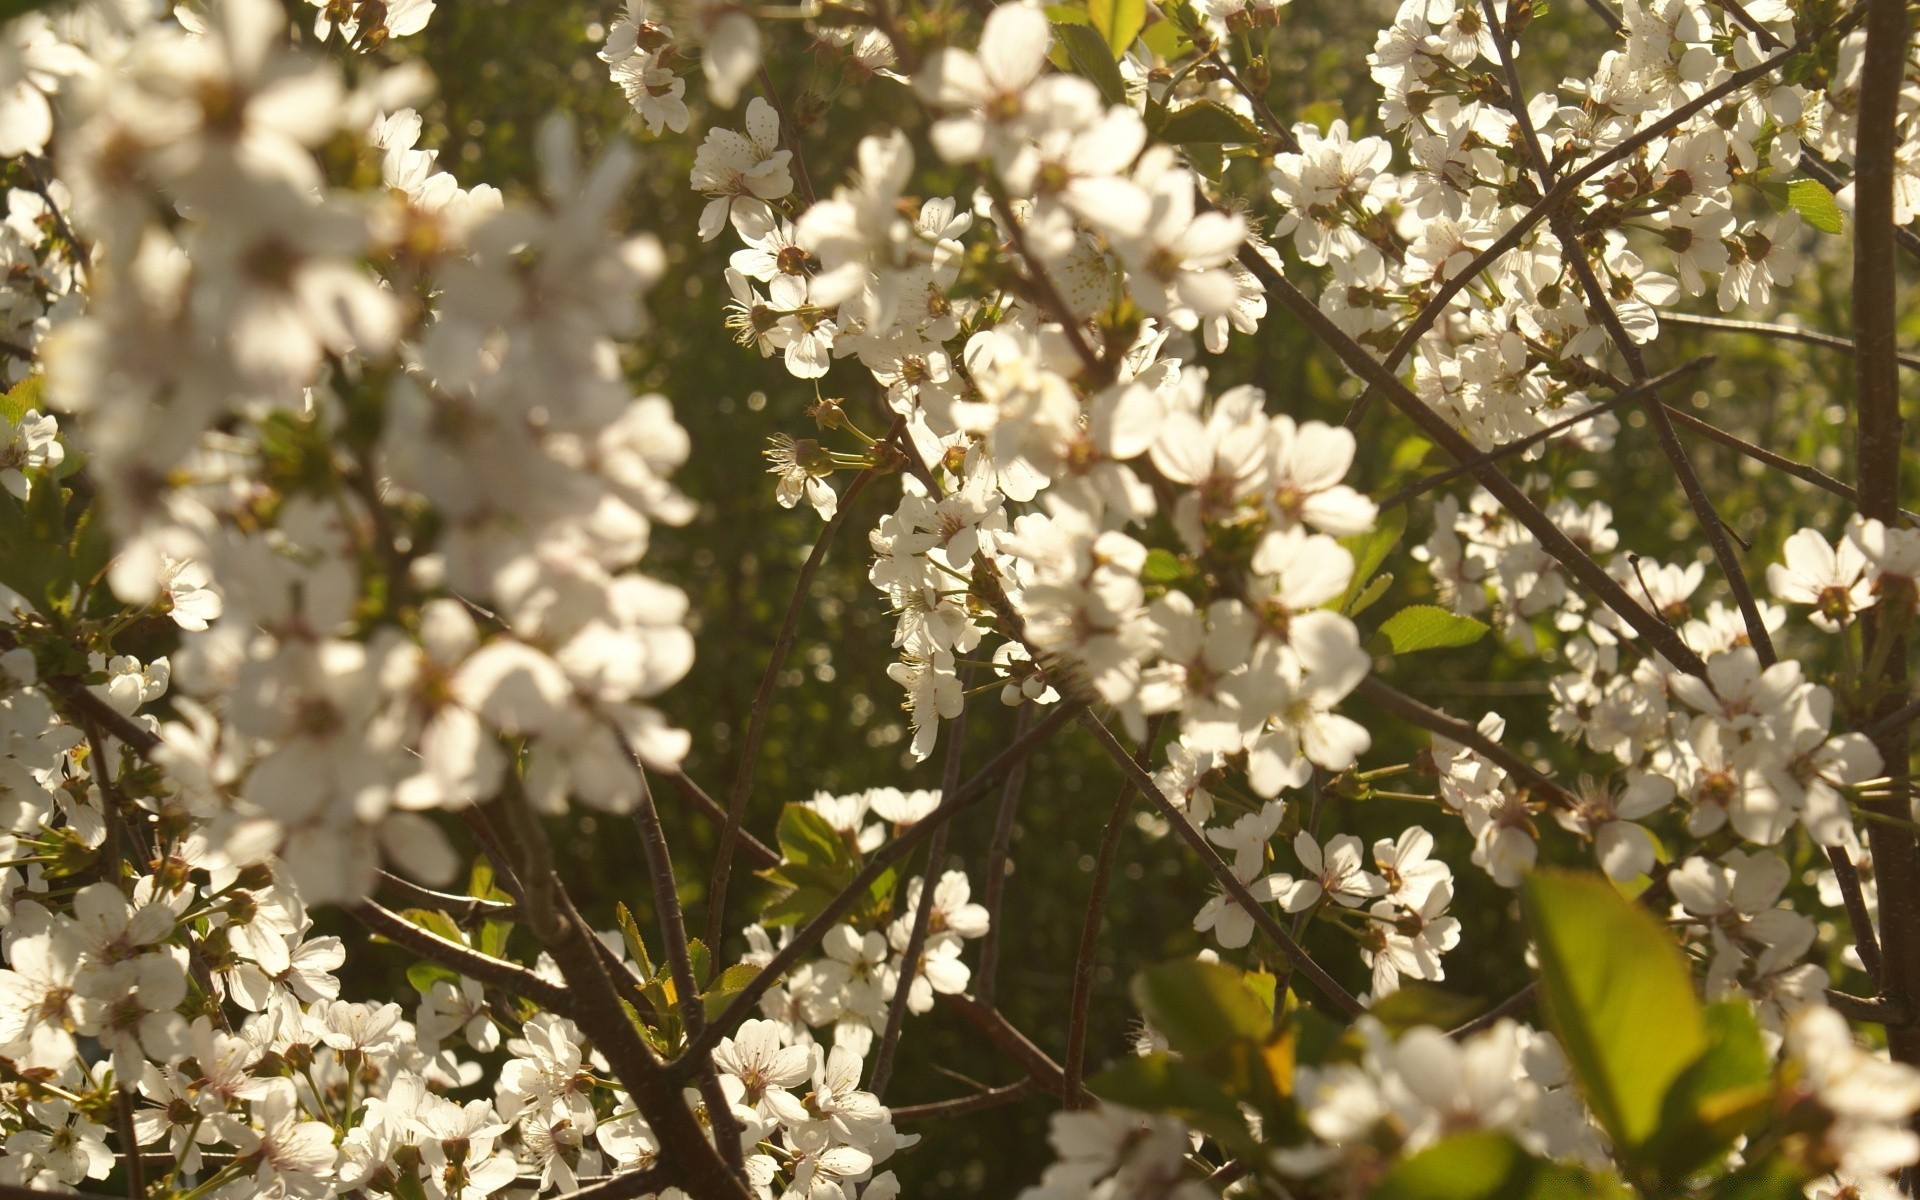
point(328, 502)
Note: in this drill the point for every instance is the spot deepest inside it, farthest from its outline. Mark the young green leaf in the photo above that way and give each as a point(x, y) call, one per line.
point(1619, 996)
point(1428, 627)
point(1088, 52)
point(1815, 204)
point(1118, 21)
point(1488, 1166)
point(1200, 1005)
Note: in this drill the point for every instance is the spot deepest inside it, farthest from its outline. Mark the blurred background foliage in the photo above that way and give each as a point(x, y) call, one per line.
point(836, 725)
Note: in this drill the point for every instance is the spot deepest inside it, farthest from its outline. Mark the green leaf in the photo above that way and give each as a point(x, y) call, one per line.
point(1815, 204)
point(731, 983)
point(1429, 627)
point(1487, 1166)
point(1770, 1179)
point(1206, 121)
point(1088, 52)
point(1162, 1083)
point(1200, 1006)
point(23, 397)
point(808, 839)
point(1165, 568)
point(1619, 996)
point(436, 922)
point(1165, 39)
point(1372, 592)
point(1118, 21)
point(1369, 550)
point(1717, 1098)
point(423, 975)
point(636, 945)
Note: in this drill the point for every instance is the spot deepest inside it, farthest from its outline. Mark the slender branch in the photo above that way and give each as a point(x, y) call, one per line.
point(1786, 333)
point(960, 1106)
point(1787, 466)
point(1421, 486)
point(922, 912)
point(136, 1169)
point(1326, 984)
point(1889, 1011)
point(656, 1178)
point(1904, 715)
point(1598, 301)
point(1042, 282)
point(1551, 537)
point(762, 706)
point(756, 850)
point(789, 134)
point(809, 935)
point(1558, 195)
point(994, 1026)
point(465, 910)
point(1896, 856)
point(1520, 1001)
point(694, 1163)
point(1090, 925)
point(673, 934)
point(469, 962)
point(998, 863)
point(1397, 703)
point(1865, 942)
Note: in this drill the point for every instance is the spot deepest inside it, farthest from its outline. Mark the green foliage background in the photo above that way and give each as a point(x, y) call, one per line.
point(504, 65)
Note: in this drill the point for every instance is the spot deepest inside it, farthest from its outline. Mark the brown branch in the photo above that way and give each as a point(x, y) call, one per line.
point(1786, 333)
point(1397, 703)
point(1574, 252)
point(1421, 486)
point(1865, 942)
point(467, 961)
point(625, 1187)
point(1551, 537)
point(922, 912)
point(1324, 983)
point(1045, 1073)
point(960, 1106)
point(465, 910)
point(1896, 856)
point(1036, 272)
point(757, 851)
point(809, 935)
point(998, 863)
point(1558, 195)
point(1082, 1000)
point(762, 706)
point(691, 1161)
point(789, 134)
point(1520, 1001)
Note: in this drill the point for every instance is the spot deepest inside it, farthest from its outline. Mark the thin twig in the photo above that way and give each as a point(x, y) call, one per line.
point(1230, 883)
point(1397, 703)
point(960, 1106)
point(762, 706)
point(1865, 942)
point(1553, 540)
point(1599, 302)
point(997, 866)
point(466, 960)
point(1520, 1001)
point(903, 843)
point(1421, 486)
point(789, 134)
point(1082, 1001)
point(465, 910)
point(923, 911)
point(994, 1026)
point(1558, 195)
point(761, 855)
point(1786, 333)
